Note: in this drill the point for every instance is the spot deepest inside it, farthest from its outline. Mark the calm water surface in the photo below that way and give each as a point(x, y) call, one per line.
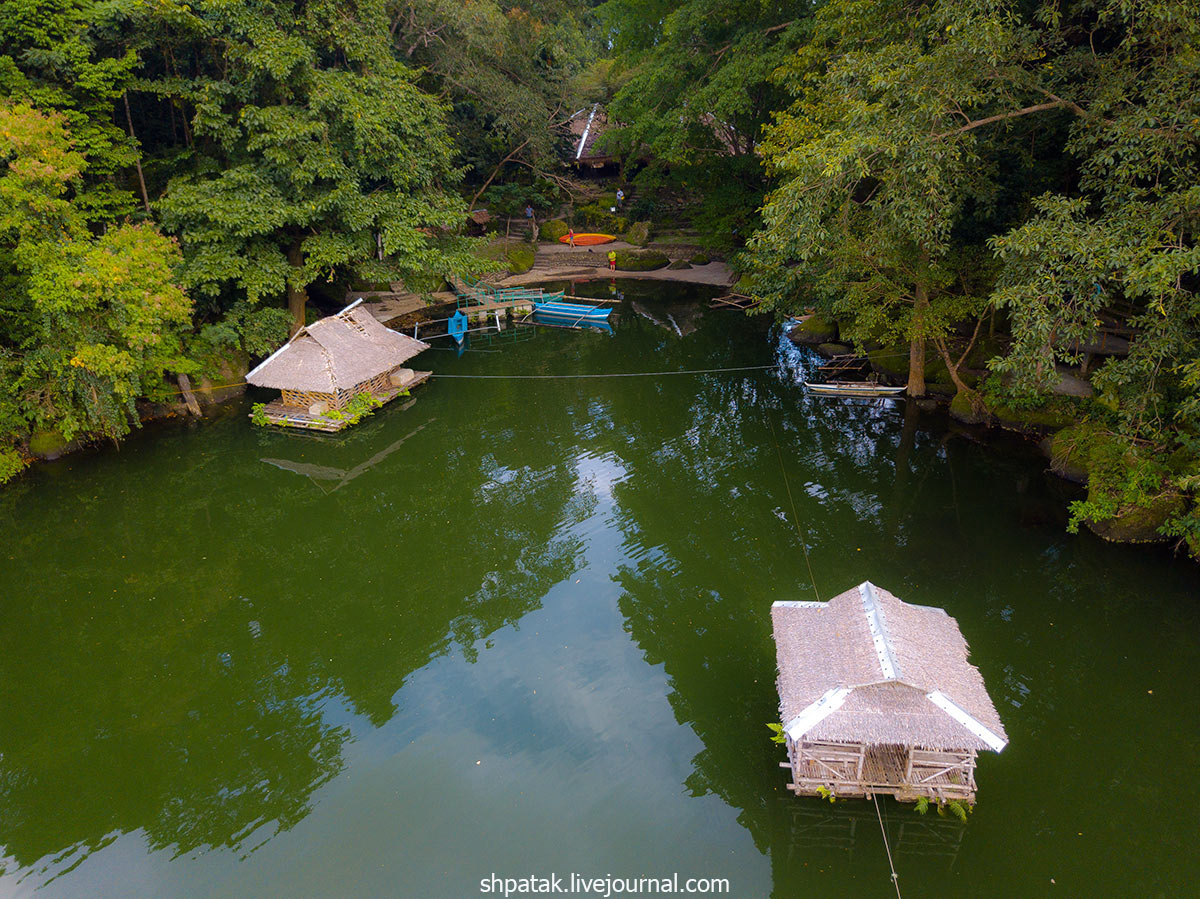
point(523, 627)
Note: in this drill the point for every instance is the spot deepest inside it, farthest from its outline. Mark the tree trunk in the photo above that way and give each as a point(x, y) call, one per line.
point(297, 296)
point(960, 386)
point(952, 367)
point(185, 387)
point(916, 345)
point(137, 154)
point(916, 367)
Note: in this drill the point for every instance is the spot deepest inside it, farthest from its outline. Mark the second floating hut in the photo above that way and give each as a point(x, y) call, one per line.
point(877, 696)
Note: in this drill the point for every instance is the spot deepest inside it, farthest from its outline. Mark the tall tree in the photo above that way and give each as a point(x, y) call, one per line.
point(1122, 248)
point(56, 55)
point(694, 89)
point(877, 159)
point(92, 323)
point(316, 153)
point(510, 71)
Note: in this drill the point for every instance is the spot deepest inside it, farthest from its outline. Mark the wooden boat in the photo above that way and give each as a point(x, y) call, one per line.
point(853, 388)
point(588, 240)
point(571, 314)
point(456, 327)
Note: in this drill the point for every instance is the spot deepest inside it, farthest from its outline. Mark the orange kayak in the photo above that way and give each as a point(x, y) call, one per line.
point(588, 240)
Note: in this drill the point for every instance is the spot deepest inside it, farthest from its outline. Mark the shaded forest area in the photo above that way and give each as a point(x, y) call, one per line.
point(995, 202)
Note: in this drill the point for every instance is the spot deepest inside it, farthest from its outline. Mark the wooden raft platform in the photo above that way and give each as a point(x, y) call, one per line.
point(293, 417)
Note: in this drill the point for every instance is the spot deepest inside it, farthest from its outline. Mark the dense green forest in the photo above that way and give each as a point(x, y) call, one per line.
point(996, 194)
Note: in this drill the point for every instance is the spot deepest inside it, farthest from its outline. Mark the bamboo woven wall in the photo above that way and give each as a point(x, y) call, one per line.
point(302, 399)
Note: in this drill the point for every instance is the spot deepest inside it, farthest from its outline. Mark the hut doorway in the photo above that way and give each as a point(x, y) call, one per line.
point(885, 764)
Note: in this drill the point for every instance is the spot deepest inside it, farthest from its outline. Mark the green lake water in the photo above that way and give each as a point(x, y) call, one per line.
point(522, 627)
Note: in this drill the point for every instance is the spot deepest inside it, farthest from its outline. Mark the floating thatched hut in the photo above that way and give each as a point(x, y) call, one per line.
point(877, 696)
point(330, 362)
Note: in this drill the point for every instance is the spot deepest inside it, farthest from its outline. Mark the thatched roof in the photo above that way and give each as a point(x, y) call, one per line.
point(340, 351)
point(866, 667)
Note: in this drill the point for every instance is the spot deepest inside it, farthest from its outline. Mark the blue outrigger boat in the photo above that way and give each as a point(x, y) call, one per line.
point(571, 315)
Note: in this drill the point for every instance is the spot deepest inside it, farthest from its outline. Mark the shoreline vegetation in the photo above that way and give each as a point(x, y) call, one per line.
point(994, 206)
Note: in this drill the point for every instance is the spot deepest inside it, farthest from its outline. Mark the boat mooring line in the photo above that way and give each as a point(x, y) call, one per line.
point(615, 374)
point(804, 545)
point(887, 848)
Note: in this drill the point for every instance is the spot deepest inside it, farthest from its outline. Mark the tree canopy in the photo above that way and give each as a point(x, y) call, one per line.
point(995, 193)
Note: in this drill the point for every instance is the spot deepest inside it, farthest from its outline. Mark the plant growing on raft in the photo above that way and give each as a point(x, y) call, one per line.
point(956, 807)
point(359, 407)
point(777, 734)
point(826, 793)
point(258, 414)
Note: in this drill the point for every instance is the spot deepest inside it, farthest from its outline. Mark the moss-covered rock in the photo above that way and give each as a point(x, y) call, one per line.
point(223, 378)
point(962, 409)
point(640, 260)
point(891, 361)
point(700, 259)
point(814, 330)
point(1041, 420)
point(49, 443)
point(1138, 524)
point(553, 230)
point(679, 264)
point(639, 234)
point(833, 349)
point(1069, 451)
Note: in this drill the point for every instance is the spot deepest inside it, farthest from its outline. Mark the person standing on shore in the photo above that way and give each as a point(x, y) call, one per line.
point(571, 236)
point(612, 260)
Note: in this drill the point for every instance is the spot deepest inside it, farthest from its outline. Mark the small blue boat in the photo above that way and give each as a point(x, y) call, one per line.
point(571, 314)
point(456, 327)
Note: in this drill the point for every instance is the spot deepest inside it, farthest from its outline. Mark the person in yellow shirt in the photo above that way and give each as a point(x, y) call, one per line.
point(612, 260)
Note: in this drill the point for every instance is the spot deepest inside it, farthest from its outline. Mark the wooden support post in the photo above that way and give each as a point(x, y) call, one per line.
point(185, 387)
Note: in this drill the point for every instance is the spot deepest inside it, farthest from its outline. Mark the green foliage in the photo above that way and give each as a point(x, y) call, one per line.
point(359, 407)
point(1131, 493)
point(258, 415)
point(318, 150)
point(520, 257)
point(826, 793)
point(553, 230)
point(777, 734)
point(640, 260)
point(594, 217)
point(874, 167)
point(694, 88)
point(12, 463)
point(99, 319)
point(508, 71)
point(955, 807)
point(61, 59)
